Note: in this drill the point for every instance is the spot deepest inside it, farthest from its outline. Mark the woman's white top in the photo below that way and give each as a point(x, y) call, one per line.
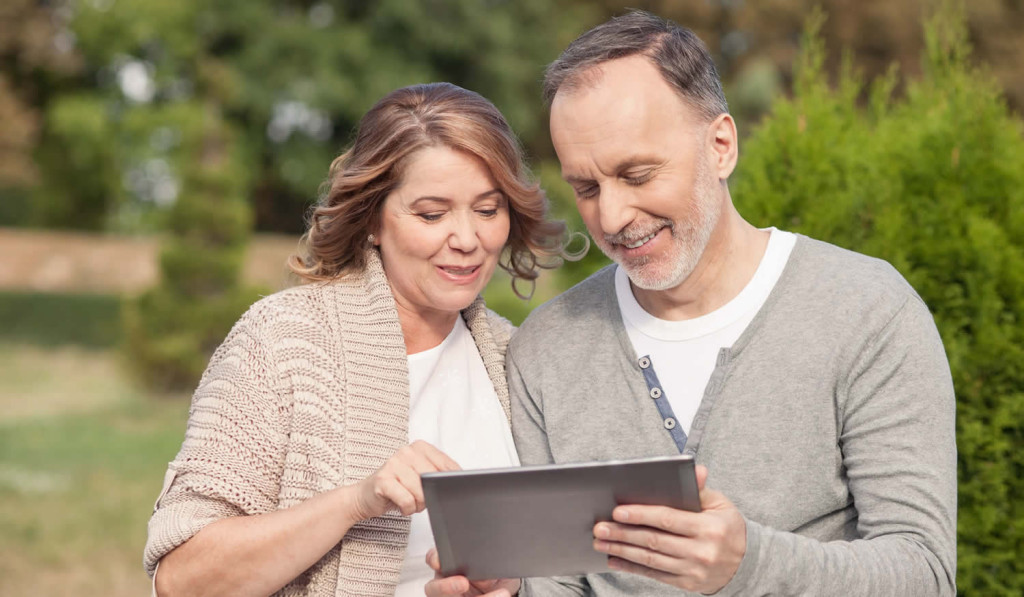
point(454, 407)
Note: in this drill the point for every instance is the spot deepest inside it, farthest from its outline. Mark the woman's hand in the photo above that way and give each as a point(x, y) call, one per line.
point(397, 483)
point(460, 586)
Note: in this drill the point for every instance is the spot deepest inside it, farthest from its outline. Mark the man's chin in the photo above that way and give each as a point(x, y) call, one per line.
point(647, 280)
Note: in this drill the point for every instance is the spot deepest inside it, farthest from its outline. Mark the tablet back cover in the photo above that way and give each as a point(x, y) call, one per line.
point(538, 521)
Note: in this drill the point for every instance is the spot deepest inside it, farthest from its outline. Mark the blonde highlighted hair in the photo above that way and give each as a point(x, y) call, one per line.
point(400, 124)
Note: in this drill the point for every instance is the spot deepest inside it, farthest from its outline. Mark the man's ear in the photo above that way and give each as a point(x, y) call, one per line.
point(723, 143)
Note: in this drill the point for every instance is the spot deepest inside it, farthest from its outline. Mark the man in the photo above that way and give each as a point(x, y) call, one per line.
point(809, 381)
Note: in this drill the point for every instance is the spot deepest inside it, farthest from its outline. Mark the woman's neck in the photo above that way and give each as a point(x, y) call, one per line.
point(423, 331)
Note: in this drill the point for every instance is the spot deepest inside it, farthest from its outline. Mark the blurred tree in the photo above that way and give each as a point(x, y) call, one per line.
point(756, 43)
point(933, 183)
point(298, 74)
point(173, 329)
point(34, 47)
point(301, 72)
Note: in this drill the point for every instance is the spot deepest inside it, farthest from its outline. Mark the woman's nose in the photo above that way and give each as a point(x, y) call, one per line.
point(463, 236)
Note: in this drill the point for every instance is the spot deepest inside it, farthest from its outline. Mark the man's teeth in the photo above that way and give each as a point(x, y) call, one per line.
point(636, 244)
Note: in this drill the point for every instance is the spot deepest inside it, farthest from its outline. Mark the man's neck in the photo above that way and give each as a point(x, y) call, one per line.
point(727, 265)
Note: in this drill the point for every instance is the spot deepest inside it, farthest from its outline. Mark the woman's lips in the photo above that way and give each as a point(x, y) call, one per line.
point(459, 273)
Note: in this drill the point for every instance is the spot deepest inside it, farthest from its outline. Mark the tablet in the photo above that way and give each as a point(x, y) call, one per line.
point(539, 520)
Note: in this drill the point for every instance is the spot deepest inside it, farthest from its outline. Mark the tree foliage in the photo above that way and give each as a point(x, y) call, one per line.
point(933, 183)
point(172, 329)
point(291, 77)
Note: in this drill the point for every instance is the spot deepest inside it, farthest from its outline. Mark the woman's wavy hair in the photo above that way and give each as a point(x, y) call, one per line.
point(400, 124)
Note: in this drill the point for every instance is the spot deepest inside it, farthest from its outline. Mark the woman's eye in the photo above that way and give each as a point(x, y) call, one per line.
point(488, 213)
point(430, 217)
point(587, 192)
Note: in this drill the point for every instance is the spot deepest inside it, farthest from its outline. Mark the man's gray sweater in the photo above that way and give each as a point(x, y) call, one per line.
point(829, 423)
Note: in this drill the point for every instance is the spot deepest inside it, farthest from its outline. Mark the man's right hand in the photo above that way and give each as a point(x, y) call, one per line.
point(460, 586)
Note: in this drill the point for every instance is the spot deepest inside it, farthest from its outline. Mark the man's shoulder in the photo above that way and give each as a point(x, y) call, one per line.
point(832, 269)
point(584, 303)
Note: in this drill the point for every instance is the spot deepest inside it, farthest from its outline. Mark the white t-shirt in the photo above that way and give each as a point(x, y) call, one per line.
point(683, 353)
point(454, 407)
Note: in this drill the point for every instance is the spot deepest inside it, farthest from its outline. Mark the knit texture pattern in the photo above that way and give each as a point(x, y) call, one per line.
point(308, 392)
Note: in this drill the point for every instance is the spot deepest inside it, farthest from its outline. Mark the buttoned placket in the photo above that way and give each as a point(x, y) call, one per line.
point(654, 390)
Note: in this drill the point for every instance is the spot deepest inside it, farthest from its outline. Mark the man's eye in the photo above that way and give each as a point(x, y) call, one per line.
point(638, 180)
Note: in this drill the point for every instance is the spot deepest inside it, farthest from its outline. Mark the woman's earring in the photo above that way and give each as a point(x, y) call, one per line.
point(371, 239)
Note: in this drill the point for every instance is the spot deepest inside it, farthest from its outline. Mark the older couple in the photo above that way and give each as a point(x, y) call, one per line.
point(810, 382)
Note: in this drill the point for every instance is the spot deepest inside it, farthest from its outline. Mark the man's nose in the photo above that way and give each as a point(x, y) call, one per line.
point(616, 210)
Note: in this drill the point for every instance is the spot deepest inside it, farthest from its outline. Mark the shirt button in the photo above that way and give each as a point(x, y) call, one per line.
point(670, 423)
point(645, 362)
point(655, 393)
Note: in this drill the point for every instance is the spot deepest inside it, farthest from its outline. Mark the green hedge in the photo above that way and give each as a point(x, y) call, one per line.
point(933, 182)
point(48, 319)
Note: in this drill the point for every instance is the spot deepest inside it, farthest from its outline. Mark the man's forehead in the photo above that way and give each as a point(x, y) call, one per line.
point(580, 82)
point(622, 72)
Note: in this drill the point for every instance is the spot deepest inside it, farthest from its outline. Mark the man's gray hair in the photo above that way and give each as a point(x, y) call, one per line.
point(681, 57)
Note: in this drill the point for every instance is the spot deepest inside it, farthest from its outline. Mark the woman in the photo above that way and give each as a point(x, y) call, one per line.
point(297, 475)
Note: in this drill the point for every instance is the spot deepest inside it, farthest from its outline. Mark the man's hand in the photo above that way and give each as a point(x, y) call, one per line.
point(460, 586)
point(696, 551)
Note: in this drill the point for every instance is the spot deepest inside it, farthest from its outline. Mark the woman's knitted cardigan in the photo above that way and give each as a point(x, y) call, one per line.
point(309, 391)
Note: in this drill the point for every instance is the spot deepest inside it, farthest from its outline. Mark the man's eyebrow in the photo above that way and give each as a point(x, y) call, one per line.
point(629, 162)
point(638, 160)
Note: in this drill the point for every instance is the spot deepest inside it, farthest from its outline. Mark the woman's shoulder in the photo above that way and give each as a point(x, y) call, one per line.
point(294, 301)
point(296, 311)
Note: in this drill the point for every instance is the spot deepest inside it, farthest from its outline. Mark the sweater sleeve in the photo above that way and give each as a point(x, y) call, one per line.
point(897, 437)
point(231, 460)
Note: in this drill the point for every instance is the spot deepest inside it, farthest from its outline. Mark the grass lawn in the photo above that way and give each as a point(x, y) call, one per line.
point(82, 456)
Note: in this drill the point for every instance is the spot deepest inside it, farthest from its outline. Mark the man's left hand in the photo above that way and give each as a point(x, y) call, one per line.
point(695, 551)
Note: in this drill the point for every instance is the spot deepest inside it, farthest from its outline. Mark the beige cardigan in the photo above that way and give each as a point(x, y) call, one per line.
point(309, 391)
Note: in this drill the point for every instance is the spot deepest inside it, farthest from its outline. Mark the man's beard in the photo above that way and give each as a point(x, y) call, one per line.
point(689, 240)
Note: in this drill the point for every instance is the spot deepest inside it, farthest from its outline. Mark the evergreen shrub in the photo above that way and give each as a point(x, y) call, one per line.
point(932, 182)
point(172, 330)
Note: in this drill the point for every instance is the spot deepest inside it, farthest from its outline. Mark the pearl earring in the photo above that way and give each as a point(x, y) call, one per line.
point(371, 239)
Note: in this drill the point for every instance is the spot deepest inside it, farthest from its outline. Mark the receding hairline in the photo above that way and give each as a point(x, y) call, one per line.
point(681, 57)
point(571, 79)
point(590, 77)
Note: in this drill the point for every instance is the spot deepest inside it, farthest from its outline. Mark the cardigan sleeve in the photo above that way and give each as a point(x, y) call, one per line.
point(897, 439)
point(231, 460)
